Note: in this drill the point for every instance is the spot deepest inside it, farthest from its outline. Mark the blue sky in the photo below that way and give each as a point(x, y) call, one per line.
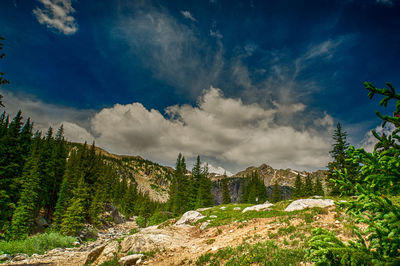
point(238, 82)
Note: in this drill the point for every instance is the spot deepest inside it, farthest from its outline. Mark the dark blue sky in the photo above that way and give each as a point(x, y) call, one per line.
point(163, 53)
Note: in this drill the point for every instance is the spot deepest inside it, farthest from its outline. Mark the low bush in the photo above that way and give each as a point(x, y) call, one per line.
point(38, 244)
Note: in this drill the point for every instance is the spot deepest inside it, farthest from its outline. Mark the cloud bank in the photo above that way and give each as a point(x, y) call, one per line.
point(225, 131)
point(57, 14)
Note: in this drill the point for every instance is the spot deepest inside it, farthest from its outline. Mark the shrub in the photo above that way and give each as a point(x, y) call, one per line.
point(37, 244)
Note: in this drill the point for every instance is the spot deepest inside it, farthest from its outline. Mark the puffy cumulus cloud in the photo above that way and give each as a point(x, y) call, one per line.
point(45, 115)
point(188, 15)
point(225, 129)
point(57, 14)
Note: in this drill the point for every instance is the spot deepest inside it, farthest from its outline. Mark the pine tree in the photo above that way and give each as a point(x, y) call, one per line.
point(298, 190)
point(276, 193)
point(308, 187)
point(75, 215)
point(340, 162)
point(28, 204)
point(226, 198)
point(318, 189)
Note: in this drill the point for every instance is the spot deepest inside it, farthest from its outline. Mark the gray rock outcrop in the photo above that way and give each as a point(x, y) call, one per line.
point(189, 217)
point(260, 207)
point(302, 204)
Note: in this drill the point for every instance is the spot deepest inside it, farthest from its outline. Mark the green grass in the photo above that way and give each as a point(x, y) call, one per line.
point(229, 215)
point(265, 253)
point(38, 244)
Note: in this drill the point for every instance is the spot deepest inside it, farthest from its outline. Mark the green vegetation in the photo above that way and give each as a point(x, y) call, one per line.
point(38, 244)
point(188, 192)
point(267, 253)
point(254, 190)
point(379, 243)
point(226, 198)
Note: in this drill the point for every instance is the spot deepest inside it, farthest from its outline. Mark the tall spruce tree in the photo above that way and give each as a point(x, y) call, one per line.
point(318, 189)
point(298, 190)
point(226, 197)
point(276, 192)
point(340, 162)
point(308, 186)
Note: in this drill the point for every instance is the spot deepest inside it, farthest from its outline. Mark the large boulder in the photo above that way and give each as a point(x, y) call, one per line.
point(189, 217)
point(109, 252)
point(94, 254)
point(302, 204)
point(260, 207)
point(152, 238)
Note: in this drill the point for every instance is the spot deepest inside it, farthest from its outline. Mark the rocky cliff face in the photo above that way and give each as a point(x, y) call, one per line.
point(284, 177)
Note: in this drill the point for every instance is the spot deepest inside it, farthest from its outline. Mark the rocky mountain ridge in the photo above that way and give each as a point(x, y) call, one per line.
point(154, 179)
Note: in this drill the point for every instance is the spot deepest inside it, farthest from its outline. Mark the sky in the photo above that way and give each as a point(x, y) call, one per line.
point(240, 83)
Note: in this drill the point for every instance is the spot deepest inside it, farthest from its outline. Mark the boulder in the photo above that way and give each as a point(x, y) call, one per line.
point(302, 204)
point(152, 238)
point(94, 254)
point(203, 209)
point(131, 259)
point(109, 252)
point(260, 207)
point(189, 217)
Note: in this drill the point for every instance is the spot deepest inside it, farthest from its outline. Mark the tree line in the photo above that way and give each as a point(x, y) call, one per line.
point(65, 183)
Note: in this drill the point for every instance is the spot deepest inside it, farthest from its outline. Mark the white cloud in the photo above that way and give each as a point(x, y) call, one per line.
point(45, 115)
point(188, 15)
point(221, 128)
point(57, 14)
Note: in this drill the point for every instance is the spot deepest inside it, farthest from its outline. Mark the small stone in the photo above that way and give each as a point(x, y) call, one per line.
point(131, 259)
point(237, 209)
point(214, 248)
point(337, 222)
point(76, 243)
point(231, 231)
point(223, 208)
point(213, 216)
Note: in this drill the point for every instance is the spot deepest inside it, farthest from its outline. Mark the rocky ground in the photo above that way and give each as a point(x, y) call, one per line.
point(183, 244)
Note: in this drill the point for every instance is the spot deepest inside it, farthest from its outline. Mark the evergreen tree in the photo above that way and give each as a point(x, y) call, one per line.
point(276, 192)
point(298, 190)
point(318, 189)
point(28, 204)
point(340, 161)
point(75, 216)
point(372, 206)
point(226, 198)
point(308, 187)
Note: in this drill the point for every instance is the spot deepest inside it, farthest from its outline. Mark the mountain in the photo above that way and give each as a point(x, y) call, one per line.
point(284, 177)
point(150, 177)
